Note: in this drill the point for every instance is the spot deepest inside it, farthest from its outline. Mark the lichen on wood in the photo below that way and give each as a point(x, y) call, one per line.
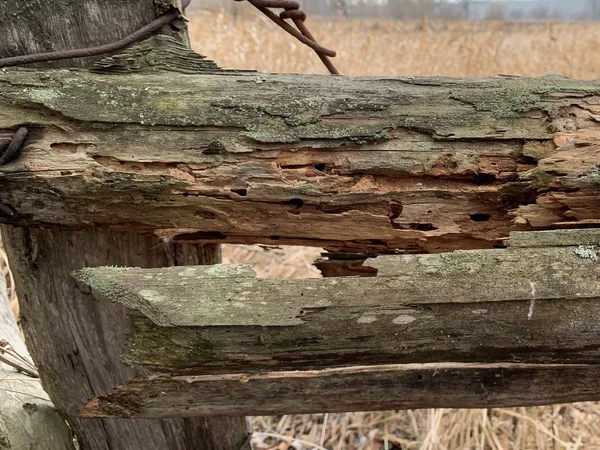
point(503, 305)
point(367, 163)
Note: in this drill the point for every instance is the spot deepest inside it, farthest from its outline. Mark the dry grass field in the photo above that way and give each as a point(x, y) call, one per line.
point(399, 48)
point(367, 47)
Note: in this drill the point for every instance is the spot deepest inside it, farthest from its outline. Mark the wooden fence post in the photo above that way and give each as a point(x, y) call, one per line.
point(73, 339)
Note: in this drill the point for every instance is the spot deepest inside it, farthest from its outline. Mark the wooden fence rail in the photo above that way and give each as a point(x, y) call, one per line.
point(457, 320)
point(366, 163)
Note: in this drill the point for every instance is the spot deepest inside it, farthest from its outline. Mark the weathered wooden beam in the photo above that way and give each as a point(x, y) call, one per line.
point(469, 306)
point(521, 309)
point(339, 162)
point(411, 386)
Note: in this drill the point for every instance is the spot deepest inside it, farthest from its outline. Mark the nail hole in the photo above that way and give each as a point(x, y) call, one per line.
point(478, 217)
point(485, 178)
point(297, 202)
point(422, 226)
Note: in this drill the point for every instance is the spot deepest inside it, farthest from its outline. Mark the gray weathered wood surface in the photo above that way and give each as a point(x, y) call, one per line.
point(40, 26)
point(519, 304)
point(74, 340)
point(28, 419)
point(410, 386)
point(339, 162)
point(482, 327)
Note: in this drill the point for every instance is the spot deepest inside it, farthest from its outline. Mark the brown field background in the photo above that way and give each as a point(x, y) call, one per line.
point(424, 48)
point(420, 48)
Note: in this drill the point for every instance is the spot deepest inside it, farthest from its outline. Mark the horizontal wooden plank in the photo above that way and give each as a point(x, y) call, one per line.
point(516, 304)
point(425, 164)
point(350, 389)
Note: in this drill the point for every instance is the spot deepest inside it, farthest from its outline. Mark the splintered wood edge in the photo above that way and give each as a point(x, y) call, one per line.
point(448, 385)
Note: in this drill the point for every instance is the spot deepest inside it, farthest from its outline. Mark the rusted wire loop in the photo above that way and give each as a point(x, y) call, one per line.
point(139, 35)
point(10, 149)
point(292, 11)
point(294, 14)
point(291, 7)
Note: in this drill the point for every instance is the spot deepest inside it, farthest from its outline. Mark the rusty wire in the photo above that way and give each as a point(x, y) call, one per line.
point(10, 148)
point(292, 11)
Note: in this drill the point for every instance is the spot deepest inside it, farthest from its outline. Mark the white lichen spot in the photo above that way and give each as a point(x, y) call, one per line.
point(587, 252)
point(404, 319)
point(366, 319)
point(188, 272)
point(532, 303)
point(43, 95)
point(152, 295)
point(531, 306)
point(148, 277)
point(480, 311)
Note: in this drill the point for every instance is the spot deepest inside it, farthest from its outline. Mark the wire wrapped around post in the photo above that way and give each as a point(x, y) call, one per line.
point(292, 11)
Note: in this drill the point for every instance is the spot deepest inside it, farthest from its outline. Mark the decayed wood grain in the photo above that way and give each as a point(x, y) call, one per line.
point(483, 328)
point(529, 305)
point(74, 340)
point(370, 163)
point(449, 385)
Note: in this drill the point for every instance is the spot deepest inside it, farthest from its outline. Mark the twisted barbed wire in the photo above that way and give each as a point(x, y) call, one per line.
point(292, 11)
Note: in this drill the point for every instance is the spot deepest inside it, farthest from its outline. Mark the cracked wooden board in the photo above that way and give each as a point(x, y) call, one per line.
point(534, 305)
point(338, 162)
point(365, 388)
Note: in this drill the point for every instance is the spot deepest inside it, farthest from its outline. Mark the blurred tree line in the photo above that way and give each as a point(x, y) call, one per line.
point(445, 9)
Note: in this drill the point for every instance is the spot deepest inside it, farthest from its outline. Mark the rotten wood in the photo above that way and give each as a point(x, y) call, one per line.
point(450, 385)
point(74, 340)
point(365, 163)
